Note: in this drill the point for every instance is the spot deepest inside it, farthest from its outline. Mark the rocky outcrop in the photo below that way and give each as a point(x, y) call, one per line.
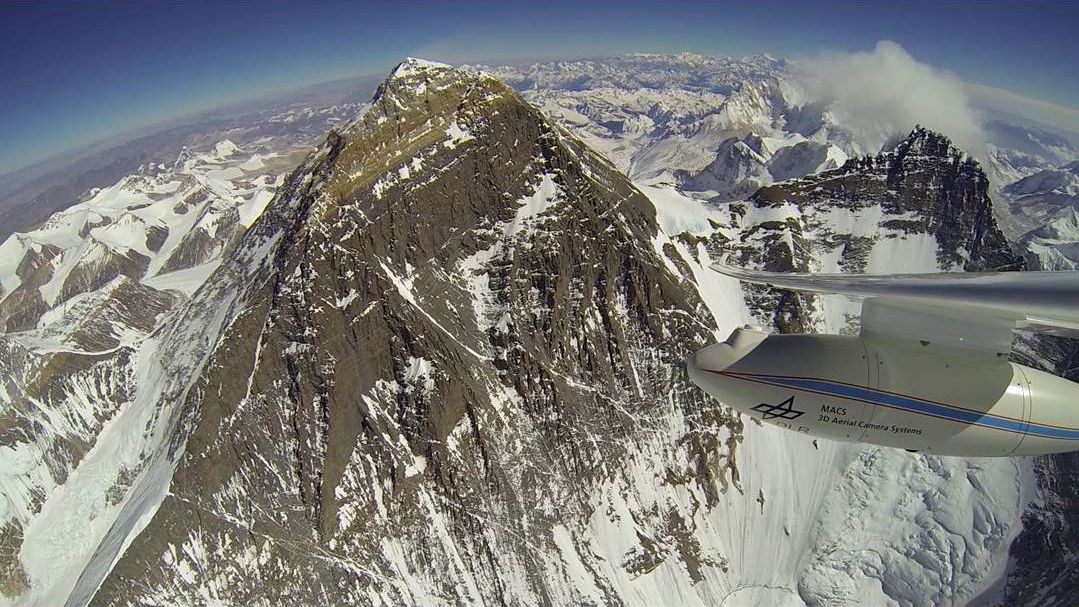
point(738, 170)
point(1045, 556)
point(921, 207)
point(926, 185)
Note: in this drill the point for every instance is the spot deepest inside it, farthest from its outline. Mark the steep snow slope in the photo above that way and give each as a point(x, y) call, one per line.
point(87, 300)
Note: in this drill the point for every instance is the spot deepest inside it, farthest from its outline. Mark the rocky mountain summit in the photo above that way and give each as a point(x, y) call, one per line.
point(743, 165)
point(923, 186)
point(463, 325)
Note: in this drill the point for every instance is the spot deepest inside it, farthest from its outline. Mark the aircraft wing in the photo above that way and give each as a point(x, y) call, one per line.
point(935, 304)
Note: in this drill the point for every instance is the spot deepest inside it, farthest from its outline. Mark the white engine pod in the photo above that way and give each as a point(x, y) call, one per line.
point(752, 371)
point(1053, 413)
point(944, 401)
point(910, 395)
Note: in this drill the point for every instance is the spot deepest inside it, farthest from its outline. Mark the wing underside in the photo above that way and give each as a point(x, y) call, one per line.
point(977, 309)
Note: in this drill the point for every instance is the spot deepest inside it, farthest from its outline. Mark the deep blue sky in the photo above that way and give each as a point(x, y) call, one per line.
point(75, 73)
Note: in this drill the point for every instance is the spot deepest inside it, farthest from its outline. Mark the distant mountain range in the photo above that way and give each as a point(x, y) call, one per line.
point(299, 118)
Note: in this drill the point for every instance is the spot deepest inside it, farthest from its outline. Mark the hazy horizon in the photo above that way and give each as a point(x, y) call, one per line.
point(187, 59)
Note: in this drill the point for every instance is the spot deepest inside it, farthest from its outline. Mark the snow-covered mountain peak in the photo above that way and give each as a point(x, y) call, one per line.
point(416, 81)
point(453, 288)
point(224, 149)
point(925, 142)
point(412, 66)
point(1062, 181)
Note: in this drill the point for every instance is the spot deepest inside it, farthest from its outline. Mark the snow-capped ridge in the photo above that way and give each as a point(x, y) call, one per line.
point(923, 141)
point(413, 79)
point(224, 149)
point(412, 66)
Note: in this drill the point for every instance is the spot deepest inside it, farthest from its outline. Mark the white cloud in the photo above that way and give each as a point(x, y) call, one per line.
point(879, 94)
point(1003, 104)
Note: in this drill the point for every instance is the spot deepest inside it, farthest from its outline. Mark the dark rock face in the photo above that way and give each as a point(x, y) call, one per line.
point(798, 160)
point(1046, 552)
point(923, 186)
point(738, 170)
point(463, 328)
point(24, 305)
point(930, 187)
